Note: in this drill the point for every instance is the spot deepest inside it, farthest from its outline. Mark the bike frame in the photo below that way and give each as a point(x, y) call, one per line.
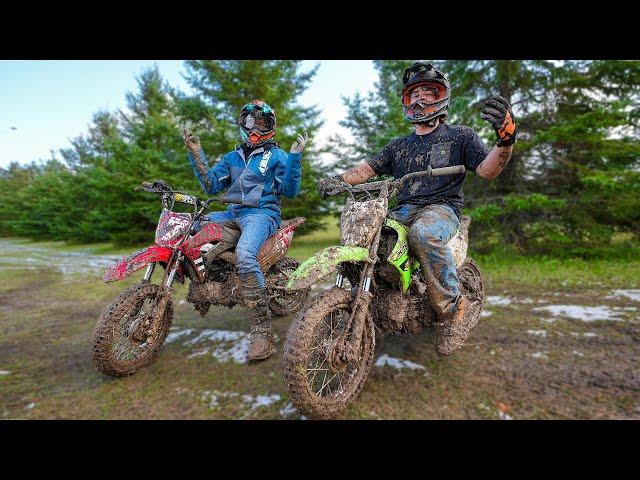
point(178, 246)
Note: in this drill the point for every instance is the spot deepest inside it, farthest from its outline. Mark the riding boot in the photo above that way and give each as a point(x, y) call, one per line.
point(452, 330)
point(261, 344)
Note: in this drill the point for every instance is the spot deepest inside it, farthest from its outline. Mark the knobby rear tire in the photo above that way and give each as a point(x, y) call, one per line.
point(473, 289)
point(286, 302)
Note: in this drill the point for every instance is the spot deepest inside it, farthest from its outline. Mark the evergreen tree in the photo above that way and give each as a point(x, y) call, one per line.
point(572, 180)
point(223, 87)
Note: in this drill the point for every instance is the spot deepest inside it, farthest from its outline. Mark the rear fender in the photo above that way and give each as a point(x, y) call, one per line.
point(323, 263)
point(136, 261)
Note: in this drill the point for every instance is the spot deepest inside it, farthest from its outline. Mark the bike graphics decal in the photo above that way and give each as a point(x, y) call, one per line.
point(264, 162)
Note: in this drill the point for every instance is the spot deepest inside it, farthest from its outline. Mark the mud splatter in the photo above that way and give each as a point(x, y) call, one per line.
point(579, 312)
point(397, 363)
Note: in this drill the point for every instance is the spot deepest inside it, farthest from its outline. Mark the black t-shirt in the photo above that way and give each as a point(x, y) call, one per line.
point(446, 146)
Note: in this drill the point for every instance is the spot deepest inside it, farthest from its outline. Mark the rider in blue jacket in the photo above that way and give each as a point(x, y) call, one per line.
point(257, 173)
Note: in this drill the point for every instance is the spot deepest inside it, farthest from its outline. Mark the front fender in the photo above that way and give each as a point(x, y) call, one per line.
point(136, 261)
point(323, 263)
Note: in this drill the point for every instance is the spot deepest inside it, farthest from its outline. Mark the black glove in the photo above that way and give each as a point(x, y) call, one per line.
point(328, 185)
point(497, 112)
point(161, 185)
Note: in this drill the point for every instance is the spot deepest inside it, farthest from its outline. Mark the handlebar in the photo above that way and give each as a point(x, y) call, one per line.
point(182, 197)
point(397, 183)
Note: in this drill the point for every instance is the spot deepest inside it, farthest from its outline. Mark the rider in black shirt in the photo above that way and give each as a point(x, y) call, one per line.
point(431, 207)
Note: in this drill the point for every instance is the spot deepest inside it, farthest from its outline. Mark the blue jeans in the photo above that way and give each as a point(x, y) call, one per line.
point(256, 229)
point(430, 228)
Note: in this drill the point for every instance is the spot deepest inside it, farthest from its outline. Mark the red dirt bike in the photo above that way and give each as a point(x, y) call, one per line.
point(133, 327)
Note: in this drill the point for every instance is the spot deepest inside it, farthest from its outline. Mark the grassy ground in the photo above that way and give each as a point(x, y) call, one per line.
point(520, 362)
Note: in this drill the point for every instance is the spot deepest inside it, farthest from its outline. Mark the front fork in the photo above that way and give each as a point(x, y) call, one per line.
point(149, 328)
point(347, 347)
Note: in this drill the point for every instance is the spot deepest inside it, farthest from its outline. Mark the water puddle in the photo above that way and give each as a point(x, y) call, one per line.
point(30, 257)
point(580, 312)
point(498, 301)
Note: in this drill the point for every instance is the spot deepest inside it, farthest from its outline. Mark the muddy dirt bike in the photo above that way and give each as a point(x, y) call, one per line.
point(134, 326)
point(329, 347)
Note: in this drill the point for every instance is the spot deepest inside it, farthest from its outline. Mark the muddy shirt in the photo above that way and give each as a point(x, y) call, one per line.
point(445, 146)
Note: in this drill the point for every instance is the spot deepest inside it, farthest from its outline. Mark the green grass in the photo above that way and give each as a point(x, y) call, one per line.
point(539, 272)
point(304, 246)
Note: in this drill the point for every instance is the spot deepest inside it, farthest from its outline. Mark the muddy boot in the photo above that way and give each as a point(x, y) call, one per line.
point(261, 344)
point(452, 331)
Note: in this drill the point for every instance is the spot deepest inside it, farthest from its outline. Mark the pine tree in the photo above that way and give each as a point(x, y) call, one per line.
point(223, 87)
point(572, 180)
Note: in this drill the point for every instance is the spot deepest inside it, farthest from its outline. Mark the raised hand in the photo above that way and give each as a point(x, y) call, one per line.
point(191, 141)
point(299, 144)
point(498, 113)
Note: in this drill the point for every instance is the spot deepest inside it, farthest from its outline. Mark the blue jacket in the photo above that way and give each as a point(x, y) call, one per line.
point(257, 181)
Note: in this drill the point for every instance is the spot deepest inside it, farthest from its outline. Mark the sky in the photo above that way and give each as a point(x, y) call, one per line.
point(44, 104)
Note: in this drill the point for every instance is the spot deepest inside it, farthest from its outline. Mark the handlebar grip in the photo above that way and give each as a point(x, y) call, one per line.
point(438, 172)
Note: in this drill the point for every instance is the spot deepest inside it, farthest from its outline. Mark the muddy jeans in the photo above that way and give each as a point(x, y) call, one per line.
point(430, 228)
point(256, 229)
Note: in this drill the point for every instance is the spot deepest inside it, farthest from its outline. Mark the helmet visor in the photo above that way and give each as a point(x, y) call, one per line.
point(256, 120)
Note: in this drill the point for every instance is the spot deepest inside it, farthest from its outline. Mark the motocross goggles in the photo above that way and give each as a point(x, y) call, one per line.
point(257, 123)
point(422, 110)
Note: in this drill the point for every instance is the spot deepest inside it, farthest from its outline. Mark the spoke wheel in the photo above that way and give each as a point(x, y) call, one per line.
point(124, 338)
point(284, 302)
point(316, 389)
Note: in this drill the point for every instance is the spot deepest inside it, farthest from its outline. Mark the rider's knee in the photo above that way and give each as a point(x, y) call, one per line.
point(428, 232)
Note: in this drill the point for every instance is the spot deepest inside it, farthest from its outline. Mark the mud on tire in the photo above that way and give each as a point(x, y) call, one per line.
point(283, 303)
point(306, 345)
point(113, 332)
point(473, 289)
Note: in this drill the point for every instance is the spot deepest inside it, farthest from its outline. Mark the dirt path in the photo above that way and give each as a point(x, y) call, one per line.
point(570, 354)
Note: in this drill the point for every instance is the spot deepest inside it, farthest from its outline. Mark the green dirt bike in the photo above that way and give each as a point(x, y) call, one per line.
point(329, 347)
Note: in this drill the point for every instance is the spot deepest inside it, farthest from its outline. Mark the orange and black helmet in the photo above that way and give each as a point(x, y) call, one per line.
point(425, 74)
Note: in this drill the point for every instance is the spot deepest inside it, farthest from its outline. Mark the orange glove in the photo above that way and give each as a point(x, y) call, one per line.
point(497, 112)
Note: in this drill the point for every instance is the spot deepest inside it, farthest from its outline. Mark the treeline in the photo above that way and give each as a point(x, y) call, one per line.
point(85, 193)
point(571, 188)
point(573, 183)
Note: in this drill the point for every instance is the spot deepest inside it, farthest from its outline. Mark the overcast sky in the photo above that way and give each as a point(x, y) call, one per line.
point(44, 104)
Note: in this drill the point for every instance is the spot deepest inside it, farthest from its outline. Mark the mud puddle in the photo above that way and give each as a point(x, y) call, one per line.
point(23, 255)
